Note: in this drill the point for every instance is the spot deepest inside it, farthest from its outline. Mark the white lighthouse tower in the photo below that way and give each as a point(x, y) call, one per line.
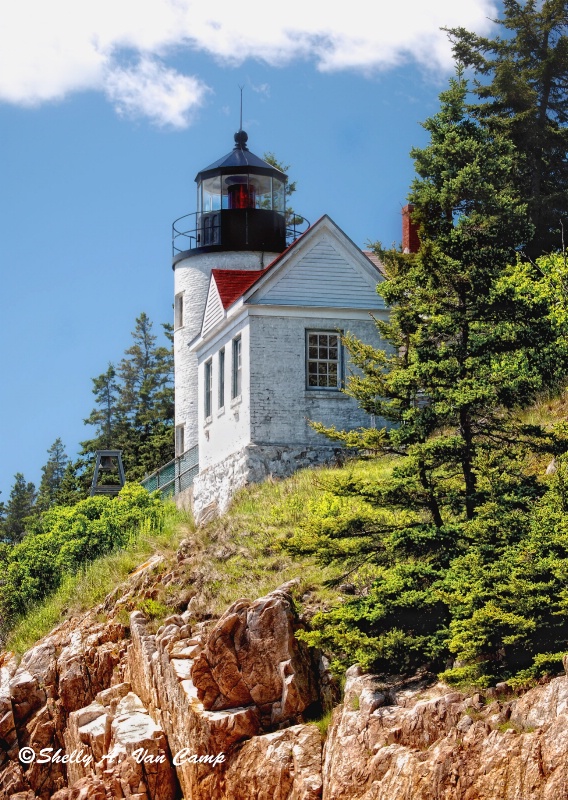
point(239, 224)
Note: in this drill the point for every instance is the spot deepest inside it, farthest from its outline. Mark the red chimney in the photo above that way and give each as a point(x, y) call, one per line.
point(410, 240)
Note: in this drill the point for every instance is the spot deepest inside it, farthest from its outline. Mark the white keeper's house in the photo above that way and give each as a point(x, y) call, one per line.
point(259, 313)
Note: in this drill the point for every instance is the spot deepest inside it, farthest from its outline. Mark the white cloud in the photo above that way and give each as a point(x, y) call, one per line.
point(151, 90)
point(261, 88)
point(50, 49)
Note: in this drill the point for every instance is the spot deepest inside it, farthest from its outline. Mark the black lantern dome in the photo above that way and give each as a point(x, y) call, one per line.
point(241, 205)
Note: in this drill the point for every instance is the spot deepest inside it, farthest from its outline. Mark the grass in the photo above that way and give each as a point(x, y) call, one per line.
point(92, 584)
point(237, 555)
point(246, 544)
point(547, 410)
point(512, 726)
point(324, 723)
point(355, 703)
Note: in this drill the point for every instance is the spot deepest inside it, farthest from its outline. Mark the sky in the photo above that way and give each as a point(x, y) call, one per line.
point(109, 108)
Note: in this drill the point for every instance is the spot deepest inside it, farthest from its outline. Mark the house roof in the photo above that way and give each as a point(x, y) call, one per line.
point(240, 158)
point(314, 267)
point(374, 259)
point(233, 283)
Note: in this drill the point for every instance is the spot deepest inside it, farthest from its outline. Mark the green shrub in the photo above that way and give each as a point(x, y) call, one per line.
point(65, 538)
point(153, 609)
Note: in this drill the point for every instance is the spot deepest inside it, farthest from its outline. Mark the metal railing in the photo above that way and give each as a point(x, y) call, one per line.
point(176, 475)
point(200, 230)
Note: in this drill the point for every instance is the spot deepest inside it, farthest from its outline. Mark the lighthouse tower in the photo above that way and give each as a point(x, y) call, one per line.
point(239, 224)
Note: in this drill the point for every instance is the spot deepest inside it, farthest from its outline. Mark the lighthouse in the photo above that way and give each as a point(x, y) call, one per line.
point(260, 312)
point(239, 224)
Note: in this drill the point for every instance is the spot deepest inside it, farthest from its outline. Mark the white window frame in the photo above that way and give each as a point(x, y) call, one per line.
point(208, 390)
point(178, 311)
point(237, 368)
point(221, 392)
point(180, 439)
point(323, 360)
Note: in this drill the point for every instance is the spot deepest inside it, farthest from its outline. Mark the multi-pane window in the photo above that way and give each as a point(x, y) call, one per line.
point(178, 311)
point(208, 387)
point(323, 360)
point(237, 368)
point(221, 378)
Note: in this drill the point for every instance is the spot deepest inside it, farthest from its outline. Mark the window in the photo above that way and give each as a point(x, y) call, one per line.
point(237, 368)
point(323, 360)
point(178, 311)
point(221, 378)
point(208, 387)
point(180, 440)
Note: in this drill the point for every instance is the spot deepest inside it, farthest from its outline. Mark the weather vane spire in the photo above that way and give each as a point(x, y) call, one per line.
point(240, 136)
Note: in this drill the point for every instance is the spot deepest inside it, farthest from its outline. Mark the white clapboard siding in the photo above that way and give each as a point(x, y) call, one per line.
point(213, 309)
point(323, 277)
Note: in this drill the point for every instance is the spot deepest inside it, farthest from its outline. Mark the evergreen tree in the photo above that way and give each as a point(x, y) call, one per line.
point(467, 350)
point(76, 482)
point(135, 408)
point(523, 93)
point(146, 399)
point(52, 475)
point(462, 352)
point(19, 508)
point(105, 417)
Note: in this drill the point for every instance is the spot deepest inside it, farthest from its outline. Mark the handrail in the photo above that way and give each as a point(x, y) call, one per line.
point(175, 476)
point(188, 234)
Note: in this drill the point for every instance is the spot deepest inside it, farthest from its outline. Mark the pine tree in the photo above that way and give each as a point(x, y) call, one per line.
point(458, 359)
point(135, 408)
point(467, 350)
point(146, 399)
point(52, 475)
point(19, 508)
point(523, 93)
point(76, 482)
point(105, 417)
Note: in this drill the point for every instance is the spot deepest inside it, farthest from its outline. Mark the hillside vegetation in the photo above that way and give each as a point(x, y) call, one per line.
point(93, 546)
point(489, 605)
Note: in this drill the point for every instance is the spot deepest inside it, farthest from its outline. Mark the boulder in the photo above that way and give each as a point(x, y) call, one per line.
point(252, 657)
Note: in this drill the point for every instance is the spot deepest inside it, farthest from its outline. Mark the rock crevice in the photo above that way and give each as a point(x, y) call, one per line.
point(221, 712)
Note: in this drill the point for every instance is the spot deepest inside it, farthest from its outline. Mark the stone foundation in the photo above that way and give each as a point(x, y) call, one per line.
point(184, 499)
point(214, 487)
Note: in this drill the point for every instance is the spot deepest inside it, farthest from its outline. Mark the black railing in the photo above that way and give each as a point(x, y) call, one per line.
point(197, 230)
point(176, 475)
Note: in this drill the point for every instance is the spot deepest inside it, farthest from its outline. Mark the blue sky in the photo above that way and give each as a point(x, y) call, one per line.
point(107, 112)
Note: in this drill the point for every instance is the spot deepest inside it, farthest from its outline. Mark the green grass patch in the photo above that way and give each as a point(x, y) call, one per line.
point(324, 723)
point(96, 580)
point(247, 545)
point(240, 554)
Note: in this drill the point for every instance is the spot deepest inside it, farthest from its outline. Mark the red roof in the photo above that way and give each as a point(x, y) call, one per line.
point(233, 283)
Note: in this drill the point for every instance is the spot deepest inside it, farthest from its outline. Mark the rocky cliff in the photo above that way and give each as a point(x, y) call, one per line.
point(223, 710)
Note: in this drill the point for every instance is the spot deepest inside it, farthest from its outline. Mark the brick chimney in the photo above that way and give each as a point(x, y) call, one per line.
point(410, 240)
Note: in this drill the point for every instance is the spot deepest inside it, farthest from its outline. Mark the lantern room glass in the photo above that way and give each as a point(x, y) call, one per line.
point(209, 194)
point(239, 191)
point(278, 195)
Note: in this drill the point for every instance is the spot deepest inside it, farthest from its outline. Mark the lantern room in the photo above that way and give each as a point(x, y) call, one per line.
point(241, 205)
